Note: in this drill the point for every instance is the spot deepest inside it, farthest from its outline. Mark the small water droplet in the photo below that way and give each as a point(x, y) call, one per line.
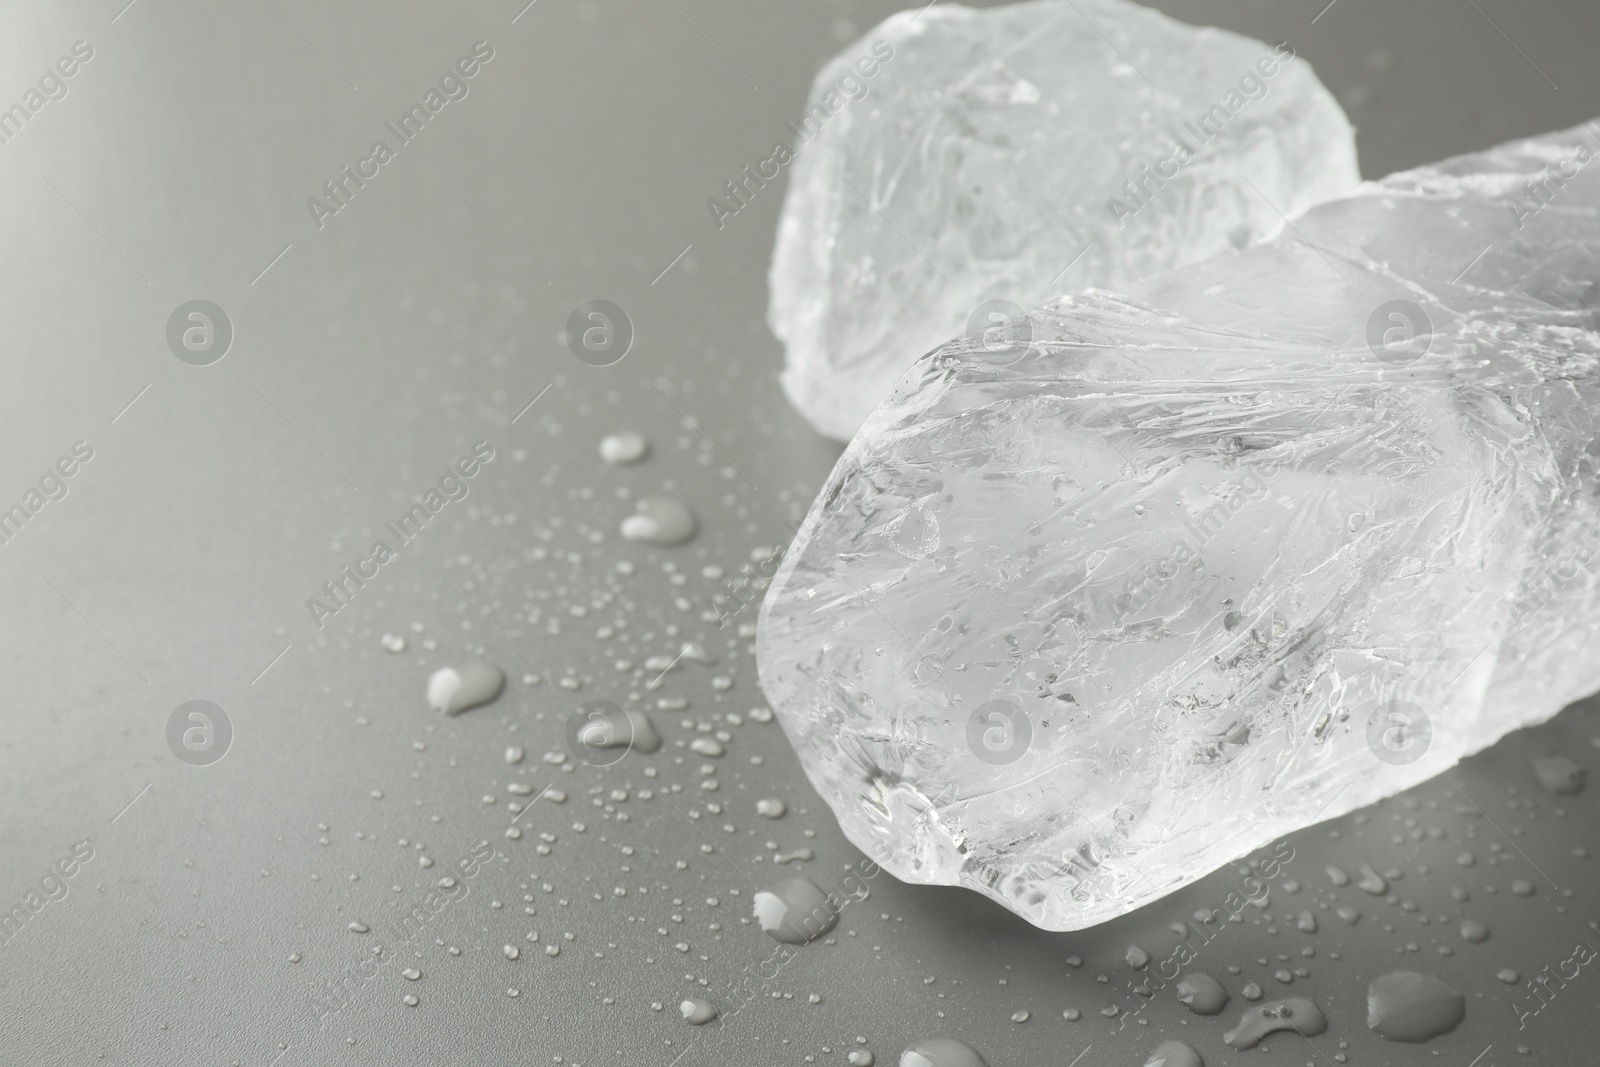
point(409, 1000)
point(697, 1012)
point(393, 643)
point(359, 928)
point(1474, 931)
point(860, 1057)
point(1337, 876)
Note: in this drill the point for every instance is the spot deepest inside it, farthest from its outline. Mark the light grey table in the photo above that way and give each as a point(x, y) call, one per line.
point(373, 347)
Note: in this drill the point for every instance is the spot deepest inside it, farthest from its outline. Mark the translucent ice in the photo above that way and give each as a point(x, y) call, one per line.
point(1246, 545)
point(958, 156)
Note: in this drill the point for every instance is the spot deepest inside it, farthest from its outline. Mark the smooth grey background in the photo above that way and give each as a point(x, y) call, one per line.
point(423, 318)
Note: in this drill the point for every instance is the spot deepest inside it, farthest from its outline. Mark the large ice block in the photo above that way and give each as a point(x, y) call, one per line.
point(957, 156)
point(1237, 548)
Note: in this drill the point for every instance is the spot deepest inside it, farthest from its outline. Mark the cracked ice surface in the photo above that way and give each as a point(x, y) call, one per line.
point(991, 144)
point(1237, 548)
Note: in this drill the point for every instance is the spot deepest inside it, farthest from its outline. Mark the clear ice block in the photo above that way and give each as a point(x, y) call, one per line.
point(1240, 547)
point(1017, 153)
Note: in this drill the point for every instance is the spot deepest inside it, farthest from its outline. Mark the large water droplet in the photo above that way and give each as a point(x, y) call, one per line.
point(941, 1052)
point(794, 911)
point(1407, 1006)
point(771, 807)
point(1202, 994)
point(1174, 1054)
point(660, 521)
point(697, 1012)
point(1295, 1013)
point(473, 682)
point(620, 449)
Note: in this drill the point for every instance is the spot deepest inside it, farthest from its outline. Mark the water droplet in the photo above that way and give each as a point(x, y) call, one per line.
point(1072, 1015)
point(474, 682)
point(393, 643)
point(941, 1052)
point(1508, 976)
point(1337, 876)
point(706, 746)
point(1251, 992)
point(660, 521)
point(411, 974)
point(409, 1000)
point(860, 1057)
point(511, 951)
point(609, 727)
point(1474, 931)
point(771, 807)
point(1407, 1006)
point(794, 911)
point(1306, 923)
point(760, 714)
point(1522, 887)
point(1021, 1016)
point(359, 928)
point(697, 1012)
point(1348, 914)
point(1372, 882)
point(1137, 957)
point(1201, 993)
point(514, 753)
point(1174, 1054)
point(621, 449)
point(1295, 1013)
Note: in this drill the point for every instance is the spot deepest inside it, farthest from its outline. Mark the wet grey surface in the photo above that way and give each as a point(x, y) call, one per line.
point(368, 356)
